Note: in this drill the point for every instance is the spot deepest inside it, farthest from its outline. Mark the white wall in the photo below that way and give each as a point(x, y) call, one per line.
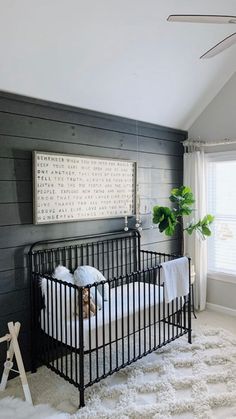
point(218, 121)
point(221, 293)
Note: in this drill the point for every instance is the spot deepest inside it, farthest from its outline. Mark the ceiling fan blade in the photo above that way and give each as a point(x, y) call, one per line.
point(221, 46)
point(202, 18)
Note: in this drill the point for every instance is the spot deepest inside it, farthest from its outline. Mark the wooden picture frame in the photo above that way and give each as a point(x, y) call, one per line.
point(68, 187)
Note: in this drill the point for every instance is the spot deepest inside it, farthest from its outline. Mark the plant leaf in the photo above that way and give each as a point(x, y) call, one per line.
point(165, 218)
point(206, 231)
point(168, 218)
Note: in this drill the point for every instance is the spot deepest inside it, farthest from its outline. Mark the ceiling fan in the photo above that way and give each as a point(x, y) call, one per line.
point(222, 45)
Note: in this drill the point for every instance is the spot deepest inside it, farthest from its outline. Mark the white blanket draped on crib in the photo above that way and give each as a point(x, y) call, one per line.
point(175, 275)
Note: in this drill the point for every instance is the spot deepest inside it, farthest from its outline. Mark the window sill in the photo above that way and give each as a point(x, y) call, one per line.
point(223, 277)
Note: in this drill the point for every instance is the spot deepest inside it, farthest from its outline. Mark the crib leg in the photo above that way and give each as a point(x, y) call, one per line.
point(33, 368)
point(189, 322)
point(189, 305)
point(81, 398)
point(33, 364)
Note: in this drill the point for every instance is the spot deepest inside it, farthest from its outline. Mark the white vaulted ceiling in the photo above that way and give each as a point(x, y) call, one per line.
point(116, 56)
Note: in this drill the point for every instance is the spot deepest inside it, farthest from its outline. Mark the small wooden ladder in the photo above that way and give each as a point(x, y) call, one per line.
point(14, 350)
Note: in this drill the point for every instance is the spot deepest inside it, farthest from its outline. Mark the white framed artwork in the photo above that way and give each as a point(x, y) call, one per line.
point(69, 187)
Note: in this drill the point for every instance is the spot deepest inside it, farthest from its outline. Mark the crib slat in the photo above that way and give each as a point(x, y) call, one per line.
point(61, 327)
point(82, 254)
point(130, 256)
point(185, 302)
point(81, 347)
point(76, 315)
point(108, 261)
point(139, 314)
point(112, 255)
point(177, 311)
point(168, 321)
point(93, 254)
point(159, 303)
point(155, 272)
point(103, 332)
point(96, 328)
point(164, 313)
point(110, 337)
point(172, 319)
point(116, 326)
point(122, 319)
point(89, 322)
point(121, 256)
point(87, 254)
point(117, 260)
point(48, 324)
point(149, 308)
point(103, 258)
point(134, 325)
point(181, 313)
point(144, 315)
point(56, 319)
point(128, 314)
point(98, 257)
point(71, 344)
point(126, 256)
point(65, 326)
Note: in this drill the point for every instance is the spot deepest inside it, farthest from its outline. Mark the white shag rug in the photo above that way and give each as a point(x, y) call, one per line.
point(11, 408)
point(178, 381)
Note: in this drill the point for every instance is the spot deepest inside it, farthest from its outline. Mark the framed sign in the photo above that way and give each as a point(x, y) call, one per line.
point(73, 188)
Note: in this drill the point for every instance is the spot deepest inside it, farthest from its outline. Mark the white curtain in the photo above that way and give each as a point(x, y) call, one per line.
point(194, 246)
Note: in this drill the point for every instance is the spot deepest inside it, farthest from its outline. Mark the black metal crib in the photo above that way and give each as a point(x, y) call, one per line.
point(134, 321)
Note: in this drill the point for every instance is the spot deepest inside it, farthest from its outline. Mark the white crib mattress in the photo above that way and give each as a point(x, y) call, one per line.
point(111, 322)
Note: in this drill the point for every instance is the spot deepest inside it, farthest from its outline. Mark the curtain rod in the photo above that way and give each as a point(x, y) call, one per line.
point(199, 143)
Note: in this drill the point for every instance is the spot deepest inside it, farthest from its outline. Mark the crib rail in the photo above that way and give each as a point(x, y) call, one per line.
point(135, 321)
point(113, 254)
point(151, 259)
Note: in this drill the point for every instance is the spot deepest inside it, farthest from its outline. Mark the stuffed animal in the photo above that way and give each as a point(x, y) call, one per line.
point(85, 275)
point(89, 308)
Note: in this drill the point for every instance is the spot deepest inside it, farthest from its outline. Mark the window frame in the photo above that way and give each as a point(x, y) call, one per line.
point(211, 158)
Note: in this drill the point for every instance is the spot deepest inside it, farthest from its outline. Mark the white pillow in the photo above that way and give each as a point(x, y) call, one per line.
point(62, 273)
point(85, 275)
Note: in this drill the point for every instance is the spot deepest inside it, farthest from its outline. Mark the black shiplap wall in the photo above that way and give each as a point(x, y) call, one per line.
point(28, 124)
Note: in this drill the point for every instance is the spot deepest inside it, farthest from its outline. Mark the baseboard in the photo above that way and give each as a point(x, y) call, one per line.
point(221, 309)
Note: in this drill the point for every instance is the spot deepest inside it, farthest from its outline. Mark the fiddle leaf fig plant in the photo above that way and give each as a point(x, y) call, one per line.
point(168, 219)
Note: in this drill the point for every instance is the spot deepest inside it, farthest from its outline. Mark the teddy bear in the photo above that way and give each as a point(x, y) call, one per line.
point(89, 308)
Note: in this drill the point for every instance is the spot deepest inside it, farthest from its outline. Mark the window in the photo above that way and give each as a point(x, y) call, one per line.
point(222, 204)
